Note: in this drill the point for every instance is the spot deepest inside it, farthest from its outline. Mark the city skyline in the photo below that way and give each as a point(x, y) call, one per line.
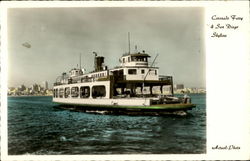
point(33, 90)
point(176, 86)
point(43, 84)
point(42, 45)
point(43, 90)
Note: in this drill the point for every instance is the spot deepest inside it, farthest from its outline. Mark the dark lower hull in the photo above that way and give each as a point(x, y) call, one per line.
point(162, 109)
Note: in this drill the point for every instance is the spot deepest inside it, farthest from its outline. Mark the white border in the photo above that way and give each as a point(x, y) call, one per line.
point(216, 112)
point(4, 69)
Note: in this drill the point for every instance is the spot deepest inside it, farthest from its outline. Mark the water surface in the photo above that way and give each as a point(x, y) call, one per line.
point(35, 127)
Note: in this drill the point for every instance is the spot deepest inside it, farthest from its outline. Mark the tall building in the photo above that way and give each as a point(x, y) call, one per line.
point(34, 87)
point(45, 85)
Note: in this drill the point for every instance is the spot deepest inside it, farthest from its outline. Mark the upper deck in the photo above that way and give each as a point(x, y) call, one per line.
point(134, 67)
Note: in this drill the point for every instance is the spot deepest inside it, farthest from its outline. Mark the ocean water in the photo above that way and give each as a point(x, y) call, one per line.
point(36, 127)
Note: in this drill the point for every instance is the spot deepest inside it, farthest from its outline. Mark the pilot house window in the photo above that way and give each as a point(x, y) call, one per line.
point(132, 71)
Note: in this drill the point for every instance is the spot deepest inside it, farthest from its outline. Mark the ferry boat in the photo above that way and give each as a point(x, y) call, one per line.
point(133, 86)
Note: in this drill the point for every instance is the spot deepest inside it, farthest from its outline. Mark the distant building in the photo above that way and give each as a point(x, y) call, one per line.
point(21, 88)
point(179, 86)
point(45, 85)
point(34, 87)
point(39, 88)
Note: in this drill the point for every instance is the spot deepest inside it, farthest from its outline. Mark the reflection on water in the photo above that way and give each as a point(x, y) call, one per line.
point(35, 127)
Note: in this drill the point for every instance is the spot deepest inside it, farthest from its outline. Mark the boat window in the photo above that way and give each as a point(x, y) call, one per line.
point(56, 93)
point(98, 91)
point(155, 72)
point(132, 58)
point(74, 92)
point(128, 59)
point(61, 91)
point(84, 92)
point(66, 92)
point(132, 71)
point(142, 71)
point(123, 60)
point(151, 72)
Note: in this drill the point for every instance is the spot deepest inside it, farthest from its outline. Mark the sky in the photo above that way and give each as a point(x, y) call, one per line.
point(45, 42)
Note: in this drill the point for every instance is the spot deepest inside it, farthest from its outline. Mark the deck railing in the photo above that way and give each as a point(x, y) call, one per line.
point(164, 77)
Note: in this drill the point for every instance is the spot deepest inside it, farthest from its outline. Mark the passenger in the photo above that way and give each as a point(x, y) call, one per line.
point(186, 97)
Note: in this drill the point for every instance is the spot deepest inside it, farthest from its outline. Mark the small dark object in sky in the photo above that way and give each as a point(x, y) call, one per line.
point(27, 45)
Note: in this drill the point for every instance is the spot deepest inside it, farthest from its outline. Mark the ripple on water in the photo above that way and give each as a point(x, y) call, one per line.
point(35, 127)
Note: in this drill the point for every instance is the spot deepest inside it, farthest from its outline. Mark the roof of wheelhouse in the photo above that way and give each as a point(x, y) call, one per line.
point(137, 54)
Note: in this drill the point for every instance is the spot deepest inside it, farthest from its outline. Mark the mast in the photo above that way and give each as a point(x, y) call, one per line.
point(80, 60)
point(129, 42)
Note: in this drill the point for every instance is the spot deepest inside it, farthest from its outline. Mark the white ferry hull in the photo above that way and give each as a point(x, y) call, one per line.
point(117, 105)
point(104, 101)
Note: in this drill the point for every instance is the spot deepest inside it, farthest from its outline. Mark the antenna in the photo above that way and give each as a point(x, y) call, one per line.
point(80, 61)
point(129, 42)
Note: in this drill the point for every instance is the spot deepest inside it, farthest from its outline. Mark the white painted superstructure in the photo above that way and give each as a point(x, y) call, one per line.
point(115, 86)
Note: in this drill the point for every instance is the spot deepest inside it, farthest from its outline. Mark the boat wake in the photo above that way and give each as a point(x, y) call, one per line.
point(122, 112)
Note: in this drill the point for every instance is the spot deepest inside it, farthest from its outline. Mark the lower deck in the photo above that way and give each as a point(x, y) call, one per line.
point(113, 94)
point(105, 101)
point(134, 104)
